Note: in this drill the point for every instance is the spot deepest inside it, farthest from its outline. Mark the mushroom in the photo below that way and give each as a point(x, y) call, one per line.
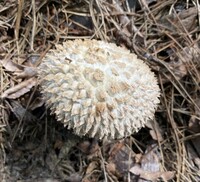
point(98, 89)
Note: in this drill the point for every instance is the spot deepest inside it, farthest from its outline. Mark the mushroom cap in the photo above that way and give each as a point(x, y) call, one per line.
point(98, 89)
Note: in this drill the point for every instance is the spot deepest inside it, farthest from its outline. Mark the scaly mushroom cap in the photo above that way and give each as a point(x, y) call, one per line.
point(98, 89)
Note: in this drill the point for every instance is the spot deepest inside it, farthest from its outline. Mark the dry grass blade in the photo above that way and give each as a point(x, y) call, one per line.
point(18, 20)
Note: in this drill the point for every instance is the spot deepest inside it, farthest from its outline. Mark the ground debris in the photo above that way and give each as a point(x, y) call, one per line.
point(149, 170)
point(20, 89)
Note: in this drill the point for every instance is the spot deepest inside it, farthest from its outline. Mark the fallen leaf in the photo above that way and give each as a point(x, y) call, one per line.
point(194, 124)
point(115, 149)
point(92, 173)
point(89, 147)
point(27, 72)
point(9, 65)
point(151, 176)
point(151, 159)
point(21, 113)
point(91, 167)
point(187, 57)
point(37, 102)
point(150, 166)
point(20, 89)
point(178, 67)
point(112, 170)
point(120, 159)
point(185, 20)
point(155, 131)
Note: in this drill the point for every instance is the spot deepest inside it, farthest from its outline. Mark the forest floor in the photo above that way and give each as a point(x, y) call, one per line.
point(35, 147)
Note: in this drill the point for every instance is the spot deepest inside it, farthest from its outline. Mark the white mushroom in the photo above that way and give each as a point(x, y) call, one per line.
point(98, 89)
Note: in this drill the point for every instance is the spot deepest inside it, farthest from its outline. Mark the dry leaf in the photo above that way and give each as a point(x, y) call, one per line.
point(185, 20)
point(151, 159)
point(10, 65)
point(155, 131)
point(91, 167)
point(92, 174)
point(112, 171)
point(20, 89)
point(27, 72)
point(190, 53)
point(115, 149)
point(151, 176)
point(120, 158)
point(21, 113)
point(178, 68)
point(186, 58)
point(194, 124)
point(150, 166)
point(89, 147)
point(37, 102)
